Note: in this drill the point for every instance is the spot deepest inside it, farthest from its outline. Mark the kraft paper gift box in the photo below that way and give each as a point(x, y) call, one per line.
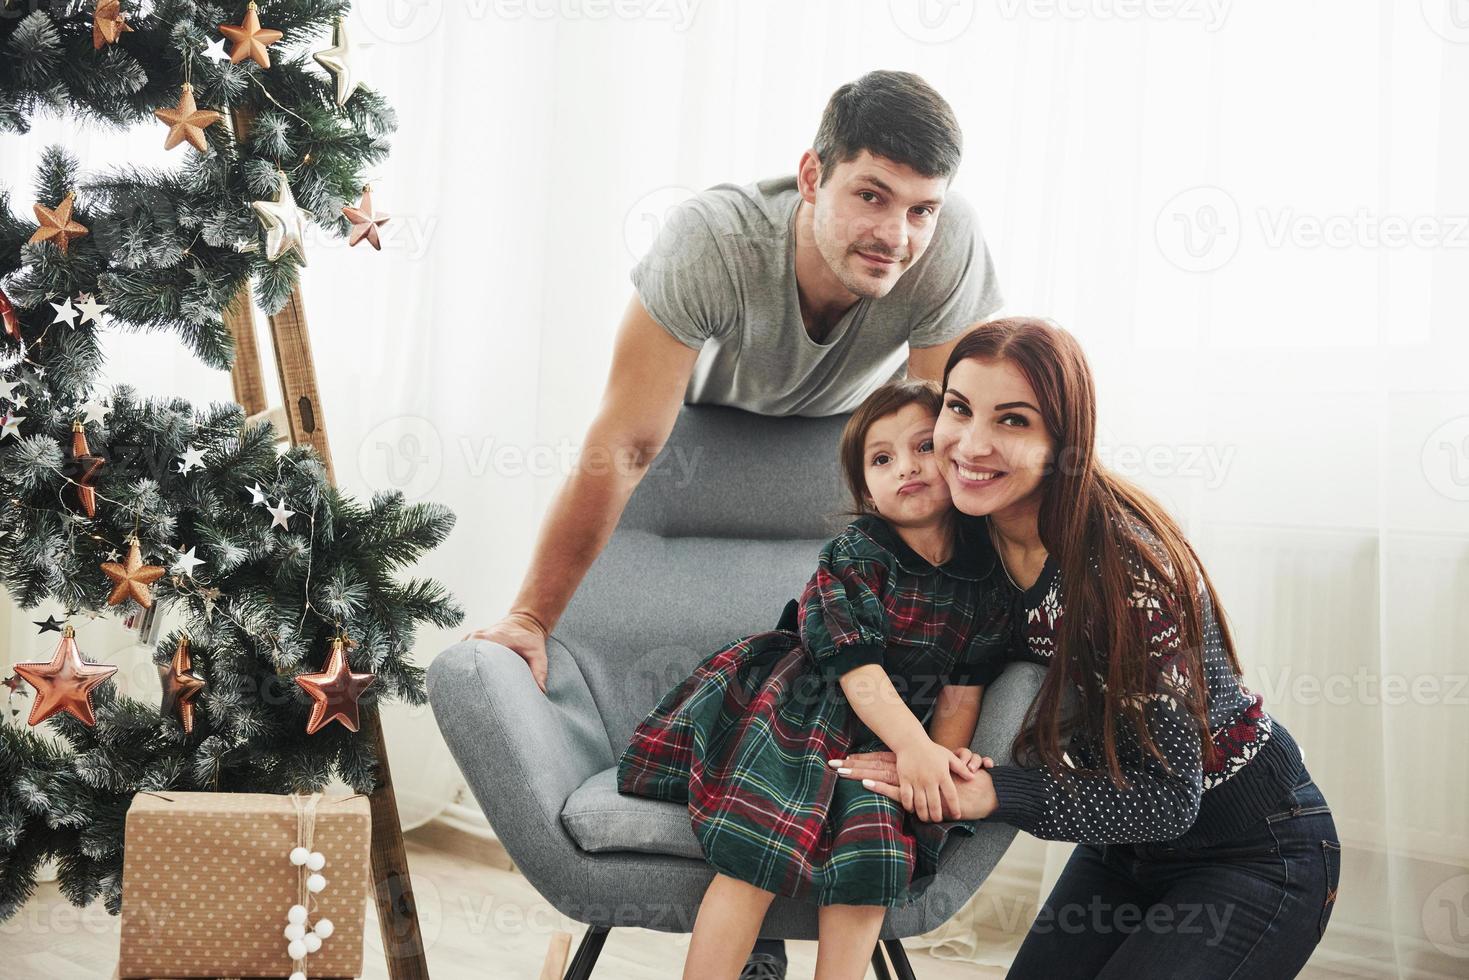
point(207, 882)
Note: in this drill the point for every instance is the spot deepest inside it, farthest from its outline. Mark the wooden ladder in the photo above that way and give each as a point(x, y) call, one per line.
point(300, 419)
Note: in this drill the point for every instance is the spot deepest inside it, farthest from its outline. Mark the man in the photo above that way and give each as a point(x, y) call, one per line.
point(793, 295)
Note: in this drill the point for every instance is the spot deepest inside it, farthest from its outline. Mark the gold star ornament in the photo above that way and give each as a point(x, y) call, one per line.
point(187, 121)
point(365, 221)
point(283, 221)
point(108, 23)
point(56, 224)
point(250, 38)
point(65, 683)
point(335, 690)
point(338, 59)
point(132, 578)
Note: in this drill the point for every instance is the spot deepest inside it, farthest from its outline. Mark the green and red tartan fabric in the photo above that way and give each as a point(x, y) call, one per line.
point(745, 739)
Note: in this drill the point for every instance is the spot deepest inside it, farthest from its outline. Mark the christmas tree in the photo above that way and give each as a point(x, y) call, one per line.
point(289, 614)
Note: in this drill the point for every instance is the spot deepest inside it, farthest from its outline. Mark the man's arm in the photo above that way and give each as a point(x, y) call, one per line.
point(645, 387)
point(928, 362)
point(956, 715)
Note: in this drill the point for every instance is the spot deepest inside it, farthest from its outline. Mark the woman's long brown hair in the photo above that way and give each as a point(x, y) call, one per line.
point(1086, 510)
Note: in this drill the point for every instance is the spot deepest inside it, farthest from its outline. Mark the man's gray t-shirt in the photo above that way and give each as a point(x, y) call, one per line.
point(721, 278)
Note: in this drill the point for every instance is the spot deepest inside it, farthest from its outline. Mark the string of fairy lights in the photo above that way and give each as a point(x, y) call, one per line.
point(332, 704)
point(178, 580)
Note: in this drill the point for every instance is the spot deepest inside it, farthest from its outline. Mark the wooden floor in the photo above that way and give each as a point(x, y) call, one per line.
point(479, 920)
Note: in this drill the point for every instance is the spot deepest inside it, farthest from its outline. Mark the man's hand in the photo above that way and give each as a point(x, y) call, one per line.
point(523, 634)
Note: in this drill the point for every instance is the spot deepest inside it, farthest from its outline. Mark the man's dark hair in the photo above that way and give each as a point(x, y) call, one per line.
point(892, 114)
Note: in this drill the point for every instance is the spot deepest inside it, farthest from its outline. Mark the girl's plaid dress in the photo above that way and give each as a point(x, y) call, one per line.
point(745, 739)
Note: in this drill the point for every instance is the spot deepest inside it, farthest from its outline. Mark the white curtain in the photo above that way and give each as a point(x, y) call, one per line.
point(1255, 217)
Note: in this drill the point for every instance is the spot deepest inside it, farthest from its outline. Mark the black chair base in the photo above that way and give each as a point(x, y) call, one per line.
point(595, 937)
point(899, 956)
point(587, 952)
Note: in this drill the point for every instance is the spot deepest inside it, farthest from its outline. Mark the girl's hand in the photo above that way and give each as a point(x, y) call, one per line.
point(926, 774)
point(974, 762)
point(878, 770)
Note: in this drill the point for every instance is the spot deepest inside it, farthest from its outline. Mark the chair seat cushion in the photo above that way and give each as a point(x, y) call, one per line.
point(599, 818)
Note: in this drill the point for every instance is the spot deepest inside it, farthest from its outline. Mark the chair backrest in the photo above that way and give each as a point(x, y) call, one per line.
point(723, 529)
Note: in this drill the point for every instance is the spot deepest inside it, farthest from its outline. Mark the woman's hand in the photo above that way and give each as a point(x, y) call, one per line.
point(926, 772)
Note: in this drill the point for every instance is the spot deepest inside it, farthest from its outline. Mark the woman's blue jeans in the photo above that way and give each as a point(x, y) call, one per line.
point(1254, 906)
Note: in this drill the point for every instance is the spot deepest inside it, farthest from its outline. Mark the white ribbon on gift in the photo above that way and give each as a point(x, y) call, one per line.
point(305, 834)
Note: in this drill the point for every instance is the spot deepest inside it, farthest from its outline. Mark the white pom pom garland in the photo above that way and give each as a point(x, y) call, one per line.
point(299, 941)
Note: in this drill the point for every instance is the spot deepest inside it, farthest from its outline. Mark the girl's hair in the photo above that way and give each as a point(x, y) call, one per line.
point(884, 401)
point(1085, 511)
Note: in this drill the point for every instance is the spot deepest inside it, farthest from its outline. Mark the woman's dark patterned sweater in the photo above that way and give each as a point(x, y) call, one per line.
point(1197, 804)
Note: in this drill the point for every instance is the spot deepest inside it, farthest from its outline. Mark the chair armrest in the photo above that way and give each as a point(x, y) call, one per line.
point(968, 861)
point(522, 752)
point(1002, 711)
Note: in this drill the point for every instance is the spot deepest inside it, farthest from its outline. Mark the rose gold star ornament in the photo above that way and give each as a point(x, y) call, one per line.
point(65, 683)
point(335, 690)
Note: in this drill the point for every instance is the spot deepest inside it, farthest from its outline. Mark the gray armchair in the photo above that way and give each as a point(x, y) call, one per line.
point(722, 531)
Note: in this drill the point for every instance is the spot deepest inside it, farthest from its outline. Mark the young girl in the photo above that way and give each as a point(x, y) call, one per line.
point(1191, 805)
point(886, 633)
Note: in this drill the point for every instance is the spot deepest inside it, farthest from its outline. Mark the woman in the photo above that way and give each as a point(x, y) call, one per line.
point(1204, 845)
